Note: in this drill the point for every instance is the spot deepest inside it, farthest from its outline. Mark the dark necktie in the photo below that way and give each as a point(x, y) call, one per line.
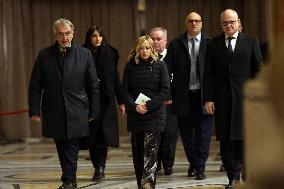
point(230, 48)
point(160, 56)
point(192, 49)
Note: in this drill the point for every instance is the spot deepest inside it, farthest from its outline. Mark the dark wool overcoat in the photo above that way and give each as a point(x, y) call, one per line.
point(224, 80)
point(179, 64)
point(64, 90)
point(152, 80)
point(106, 60)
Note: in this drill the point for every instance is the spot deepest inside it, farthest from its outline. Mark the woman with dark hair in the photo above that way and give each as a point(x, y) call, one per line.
point(146, 85)
point(104, 131)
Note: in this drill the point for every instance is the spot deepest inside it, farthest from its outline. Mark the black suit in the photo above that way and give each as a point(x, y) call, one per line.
point(167, 149)
point(193, 122)
point(224, 79)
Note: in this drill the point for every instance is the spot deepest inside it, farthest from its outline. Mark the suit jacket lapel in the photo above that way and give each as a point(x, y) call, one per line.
point(184, 41)
point(202, 46)
point(222, 46)
point(239, 44)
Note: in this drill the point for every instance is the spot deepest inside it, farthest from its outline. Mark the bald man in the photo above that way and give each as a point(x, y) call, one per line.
point(185, 61)
point(231, 59)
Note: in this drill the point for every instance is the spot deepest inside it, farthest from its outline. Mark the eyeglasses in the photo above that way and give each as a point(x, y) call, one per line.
point(62, 34)
point(192, 21)
point(227, 23)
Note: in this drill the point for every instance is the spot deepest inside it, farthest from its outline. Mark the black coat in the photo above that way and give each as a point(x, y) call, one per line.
point(65, 89)
point(106, 60)
point(225, 76)
point(152, 80)
point(178, 64)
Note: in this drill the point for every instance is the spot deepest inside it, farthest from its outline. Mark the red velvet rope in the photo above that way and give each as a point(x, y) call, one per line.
point(13, 113)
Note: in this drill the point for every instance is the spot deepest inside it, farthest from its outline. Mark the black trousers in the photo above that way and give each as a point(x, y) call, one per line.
point(97, 145)
point(145, 155)
point(231, 150)
point(232, 157)
point(195, 131)
point(68, 151)
point(169, 137)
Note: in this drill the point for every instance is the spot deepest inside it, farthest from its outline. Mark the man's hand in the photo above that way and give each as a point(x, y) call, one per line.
point(167, 102)
point(91, 119)
point(142, 109)
point(122, 109)
point(35, 118)
point(209, 107)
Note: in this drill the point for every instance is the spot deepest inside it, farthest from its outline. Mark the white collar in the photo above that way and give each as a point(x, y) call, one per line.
point(164, 52)
point(197, 37)
point(235, 36)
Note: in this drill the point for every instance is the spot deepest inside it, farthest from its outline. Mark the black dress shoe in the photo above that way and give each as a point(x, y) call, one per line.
point(200, 176)
point(159, 167)
point(99, 174)
point(191, 172)
point(232, 183)
point(222, 169)
point(229, 186)
point(168, 171)
point(68, 185)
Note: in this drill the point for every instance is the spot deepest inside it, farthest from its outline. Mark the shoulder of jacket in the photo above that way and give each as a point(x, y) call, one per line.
point(205, 37)
point(80, 48)
point(47, 50)
point(111, 48)
point(160, 63)
point(217, 38)
point(246, 37)
point(179, 38)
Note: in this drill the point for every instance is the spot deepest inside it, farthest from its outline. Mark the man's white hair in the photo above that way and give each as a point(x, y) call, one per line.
point(62, 21)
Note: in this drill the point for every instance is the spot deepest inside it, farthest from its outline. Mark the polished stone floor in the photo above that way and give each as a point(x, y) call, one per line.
point(33, 164)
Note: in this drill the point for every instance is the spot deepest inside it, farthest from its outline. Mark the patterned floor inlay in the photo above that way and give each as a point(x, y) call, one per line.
point(35, 165)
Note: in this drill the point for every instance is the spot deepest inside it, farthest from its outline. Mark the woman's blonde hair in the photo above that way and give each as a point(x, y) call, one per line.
point(134, 53)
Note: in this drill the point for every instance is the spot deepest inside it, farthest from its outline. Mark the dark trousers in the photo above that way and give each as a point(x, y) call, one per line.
point(231, 150)
point(232, 157)
point(145, 155)
point(68, 151)
point(97, 146)
point(195, 131)
point(169, 137)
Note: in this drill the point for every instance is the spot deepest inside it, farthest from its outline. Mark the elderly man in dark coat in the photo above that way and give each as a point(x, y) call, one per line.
point(232, 58)
point(64, 85)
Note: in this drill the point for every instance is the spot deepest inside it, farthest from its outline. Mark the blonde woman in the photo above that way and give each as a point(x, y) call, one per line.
point(145, 75)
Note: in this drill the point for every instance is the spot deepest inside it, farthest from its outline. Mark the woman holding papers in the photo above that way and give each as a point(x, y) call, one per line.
point(147, 86)
point(104, 130)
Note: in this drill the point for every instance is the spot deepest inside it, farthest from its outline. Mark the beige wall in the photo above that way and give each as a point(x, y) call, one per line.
point(264, 112)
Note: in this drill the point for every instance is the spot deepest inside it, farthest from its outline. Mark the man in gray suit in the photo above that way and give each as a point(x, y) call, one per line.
point(231, 59)
point(185, 61)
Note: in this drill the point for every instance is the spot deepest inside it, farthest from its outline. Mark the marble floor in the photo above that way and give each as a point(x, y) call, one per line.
point(33, 164)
